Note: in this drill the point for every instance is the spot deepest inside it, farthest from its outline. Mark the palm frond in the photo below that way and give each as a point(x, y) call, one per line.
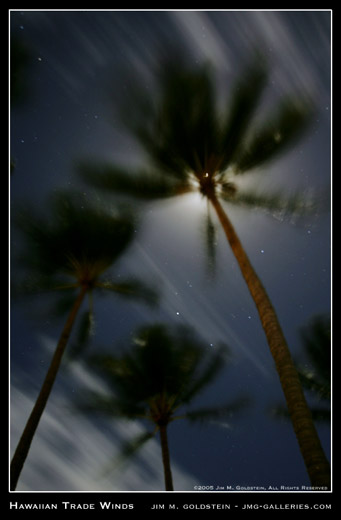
point(210, 242)
point(142, 185)
point(214, 363)
point(316, 338)
point(127, 450)
point(243, 103)
point(131, 447)
point(316, 379)
point(123, 375)
point(278, 204)
point(63, 303)
point(36, 284)
point(131, 288)
point(84, 332)
point(95, 402)
point(185, 128)
point(275, 136)
point(322, 415)
point(218, 413)
point(179, 129)
point(311, 381)
point(108, 404)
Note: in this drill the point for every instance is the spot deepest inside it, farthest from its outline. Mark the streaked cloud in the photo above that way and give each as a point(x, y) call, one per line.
point(70, 452)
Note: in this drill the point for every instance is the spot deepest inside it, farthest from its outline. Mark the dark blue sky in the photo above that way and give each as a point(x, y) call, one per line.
point(74, 78)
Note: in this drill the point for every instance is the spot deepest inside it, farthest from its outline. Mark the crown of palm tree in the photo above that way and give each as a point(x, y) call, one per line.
point(162, 371)
point(80, 241)
point(193, 144)
point(75, 247)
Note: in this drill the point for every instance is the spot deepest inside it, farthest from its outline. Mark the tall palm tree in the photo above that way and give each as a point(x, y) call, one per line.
point(73, 251)
point(194, 146)
point(163, 371)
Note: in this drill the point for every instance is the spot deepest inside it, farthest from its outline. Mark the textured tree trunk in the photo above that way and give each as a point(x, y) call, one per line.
point(166, 459)
point(317, 465)
point(26, 438)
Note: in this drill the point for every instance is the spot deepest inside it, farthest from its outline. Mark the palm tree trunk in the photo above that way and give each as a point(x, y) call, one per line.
point(166, 459)
point(317, 465)
point(24, 444)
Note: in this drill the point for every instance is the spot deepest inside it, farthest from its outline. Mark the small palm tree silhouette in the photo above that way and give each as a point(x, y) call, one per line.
point(163, 371)
point(71, 252)
point(315, 375)
point(316, 338)
point(192, 146)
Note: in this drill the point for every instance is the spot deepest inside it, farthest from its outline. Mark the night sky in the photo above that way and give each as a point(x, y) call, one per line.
point(73, 79)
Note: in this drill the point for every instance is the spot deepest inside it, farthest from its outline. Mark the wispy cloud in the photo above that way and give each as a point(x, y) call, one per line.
point(71, 452)
point(202, 38)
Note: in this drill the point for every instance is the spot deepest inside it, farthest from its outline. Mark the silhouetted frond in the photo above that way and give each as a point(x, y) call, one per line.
point(213, 365)
point(35, 284)
point(318, 414)
point(316, 338)
point(311, 380)
point(107, 404)
point(316, 378)
point(278, 204)
point(219, 413)
point(211, 242)
point(84, 332)
point(276, 134)
point(241, 107)
point(129, 448)
point(139, 184)
point(131, 288)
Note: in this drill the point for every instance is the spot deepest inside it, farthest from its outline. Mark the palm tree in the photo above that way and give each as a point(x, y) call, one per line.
point(71, 252)
point(194, 146)
point(163, 371)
